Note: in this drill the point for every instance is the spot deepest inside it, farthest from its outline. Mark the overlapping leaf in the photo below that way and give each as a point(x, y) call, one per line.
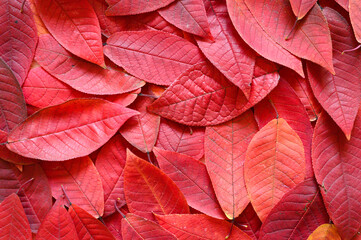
point(7, 155)
point(249, 222)
point(301, 7)
point(69, 130)
point(355, 17)
point(130, 7)
point(325, 231)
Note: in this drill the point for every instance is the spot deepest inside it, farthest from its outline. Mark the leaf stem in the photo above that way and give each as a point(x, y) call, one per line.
point(22, 185)
point(351, 50)
point(292, 30)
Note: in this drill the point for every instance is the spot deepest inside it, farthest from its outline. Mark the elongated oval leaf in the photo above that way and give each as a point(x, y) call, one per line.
point(12, 102)
point(154, 56)
point(337, 170)
point(355, 17)
point(275, 163)
point(339, 94)
point(18, 37)
point(228, 52)
point(81, 182)
point(225, 153)
point(69, 130)
point(148, 190)
point(192, 178)
point(81, 75)
point(301, 7)
point(75, 26)
point(13, 222)
point(202, 96)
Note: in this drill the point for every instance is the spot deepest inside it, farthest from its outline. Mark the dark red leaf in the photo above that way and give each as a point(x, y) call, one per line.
point(249, 222)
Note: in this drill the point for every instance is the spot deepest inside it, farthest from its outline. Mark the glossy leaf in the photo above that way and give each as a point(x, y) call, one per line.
point(135, 227)
point(154, 56)
point(355, 17)
point(130, 7)
point(325, 231)
point(13, 222)
point(148, 190)
point(202, 96)
point(336, 165)
point(339, 94)
point(79, 74)
point(301, 7)
point(54, 134)
point(81, 182)
point(183, 227)
point(297, 215)
point(87, 226)
point(57, 225)
point(182, 139)
point(275, 163)
point(75, 26)
point(188, 15)
point(18, 36)
point(12, 103)
point(249, 222)
point(225, 153)
point(192, 178)
point(228, 52)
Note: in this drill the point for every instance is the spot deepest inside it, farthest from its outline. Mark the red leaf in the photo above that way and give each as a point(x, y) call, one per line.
point(69, 130)
point(124, 99)
point(75, 26)
point(257, 38)
point(154, 56)
point(297, 215)
point(35, 195)
point(192, 179)
point(81, 182)
point(249, 222)
point(87, 226)
point(113, 223)
point(188, 15)
point(135, 227)
point(18, 36)
point(43, 90)
point(228, 52)
point(355, 10)
point(301, 7)
point(110, 164)
point(148, 190)
point(13, 222)
point(275, 163)
point(225, 150)
point(180, 138)
point(202, 96)
point(344, 4)
point(57, 225)
point(7, 155)
point(337, 170)
point(184, 227)
point(79, 74)
point(12, 103)
point(130, 7)
point(339, 94)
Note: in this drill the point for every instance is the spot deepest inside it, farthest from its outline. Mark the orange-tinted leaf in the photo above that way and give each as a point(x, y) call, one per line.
point(202, 96)
point(249, 222)
point(13, 222)
point(339, 94)
point(225, 150)
point(148, 190)
point(79, 74)
point(192, 178)
point(57, 225)
point(110, 164)
point(7, 155)
point(87, 226)
point(69, 130)
point(154, 56)
point(188, 15)
point(228, 52)
point(355, 16)
point(18, 36)
point(337, 170)
point(325, 232)
point(75, 26)
point(38, 22)
point(275, 163)
point(257, 38)
point(199, 226)
point(81, 182)
point(43, 90)
point(301, 7)
point(135, 227)
point(180, 138)
point(298, 213)
point(130, 7)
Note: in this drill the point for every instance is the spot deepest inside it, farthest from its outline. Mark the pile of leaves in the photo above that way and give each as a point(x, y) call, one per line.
point(180, 119)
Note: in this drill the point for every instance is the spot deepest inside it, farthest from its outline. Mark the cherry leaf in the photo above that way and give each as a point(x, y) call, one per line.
point(325, 231)
point(301, 7)
point(130, 7)
point(355, 9)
